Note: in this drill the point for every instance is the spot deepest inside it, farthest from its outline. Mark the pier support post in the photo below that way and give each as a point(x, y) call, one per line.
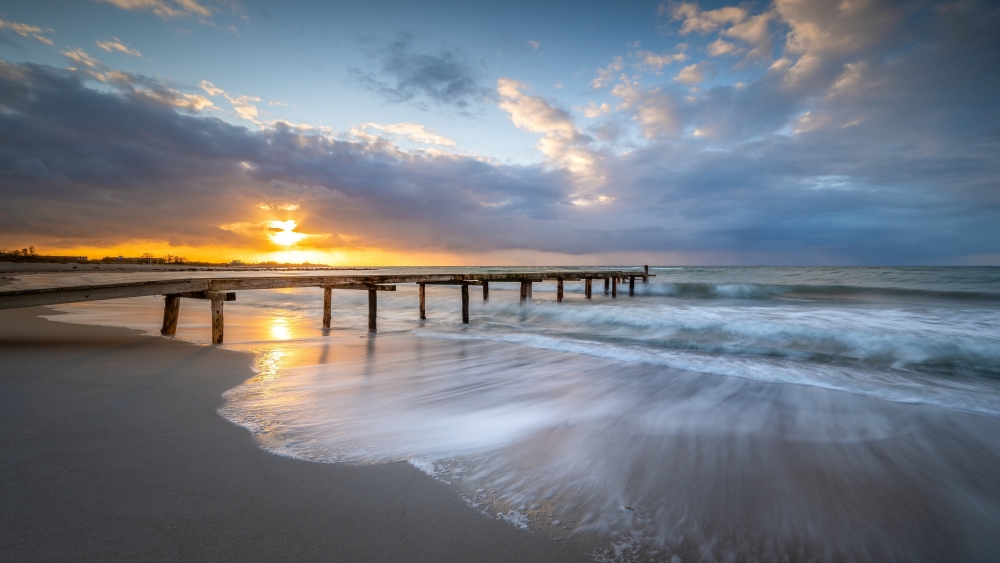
point(607, 285)
point(465, 303)
point(217, 321)
point(587, 287)
point(559, 290)
point(525, 291)
point(171, 310)
point(372, 307)
point(486, 290)
point(645, 278)
point(614, 288)
point(631, 286)
point(327, 297)
point(423, 299)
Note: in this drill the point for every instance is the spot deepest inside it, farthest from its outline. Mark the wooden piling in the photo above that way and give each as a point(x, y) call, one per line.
point(423, 297)
point(372, 307)
point(631, 286)
point(607, 285)
point(530, 286)
point(217, 321)
point(486, 291)
point(327, 297)
point(524, 291)
point(171, 310)
point(465, 303)
point(614, 289)
point(587, 287)
point(645, 278)
point(559, 291)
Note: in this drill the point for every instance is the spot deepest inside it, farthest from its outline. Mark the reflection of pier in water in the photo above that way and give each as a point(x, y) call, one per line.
point(220, 290)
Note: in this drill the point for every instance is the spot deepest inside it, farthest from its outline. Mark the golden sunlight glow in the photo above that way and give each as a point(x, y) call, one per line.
point(280, 329)
point(283, 232)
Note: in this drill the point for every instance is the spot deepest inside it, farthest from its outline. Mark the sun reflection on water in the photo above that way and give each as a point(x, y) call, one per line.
point(280, 329)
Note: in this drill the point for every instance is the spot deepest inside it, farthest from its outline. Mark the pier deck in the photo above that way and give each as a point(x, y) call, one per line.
point(219, 290)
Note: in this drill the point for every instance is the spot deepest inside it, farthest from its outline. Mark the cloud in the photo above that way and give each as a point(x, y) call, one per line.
point(655, 111)
point(80, 57)
point(445, 77)
point(534, 45)
point(721, 47)
point(756, 32)
point(563, 144)
point(411, 131)
point(608, 74)
point(26, 30)
point(243, 105)
point(692, 74)
point(115, 45)
point(593, 110)
point(289, 206)
point(162, 8)
point(658, 61)
point(696, 20)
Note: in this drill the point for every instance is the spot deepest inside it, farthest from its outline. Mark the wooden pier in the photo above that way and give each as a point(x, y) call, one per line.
point(219, 290)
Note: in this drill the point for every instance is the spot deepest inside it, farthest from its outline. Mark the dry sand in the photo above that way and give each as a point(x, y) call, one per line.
point(111, 450)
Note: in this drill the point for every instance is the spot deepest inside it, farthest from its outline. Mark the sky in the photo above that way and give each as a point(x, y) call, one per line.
point(792, 132)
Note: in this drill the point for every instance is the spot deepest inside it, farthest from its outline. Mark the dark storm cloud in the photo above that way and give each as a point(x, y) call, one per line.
point(405, 75)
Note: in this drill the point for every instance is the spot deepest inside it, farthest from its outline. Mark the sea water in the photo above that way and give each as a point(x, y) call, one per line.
point(719, 414)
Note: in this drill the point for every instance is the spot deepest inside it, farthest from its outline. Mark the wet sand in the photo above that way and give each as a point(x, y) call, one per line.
point(112, 450)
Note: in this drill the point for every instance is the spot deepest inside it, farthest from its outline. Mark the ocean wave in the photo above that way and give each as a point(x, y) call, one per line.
point(893, 385)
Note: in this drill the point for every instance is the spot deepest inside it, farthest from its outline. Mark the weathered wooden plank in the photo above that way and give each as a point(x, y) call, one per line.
point(211, 295)
point(372, 307)
point(76, 294)
point(171, 311)
point(465, 303)
point(559, 290)
point(423, 295)
point(217, 321)
point(471, 282)
point(327, 299)
point(362, 286)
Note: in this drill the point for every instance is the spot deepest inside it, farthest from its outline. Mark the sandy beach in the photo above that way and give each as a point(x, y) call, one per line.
point(112, 450)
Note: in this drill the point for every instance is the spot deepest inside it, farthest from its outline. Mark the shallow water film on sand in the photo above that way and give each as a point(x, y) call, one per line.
point(721, 414)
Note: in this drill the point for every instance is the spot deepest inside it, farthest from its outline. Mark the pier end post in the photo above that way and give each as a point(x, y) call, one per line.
point(559, 290)
point(645, 278)
point(372, 307)
point(171, 310)
point(465, 303)
point(217, 320)
point(486, 290)
point(423, 300)
point(327, 298)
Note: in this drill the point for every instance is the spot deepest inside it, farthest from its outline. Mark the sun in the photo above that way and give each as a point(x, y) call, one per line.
point(283, 233)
